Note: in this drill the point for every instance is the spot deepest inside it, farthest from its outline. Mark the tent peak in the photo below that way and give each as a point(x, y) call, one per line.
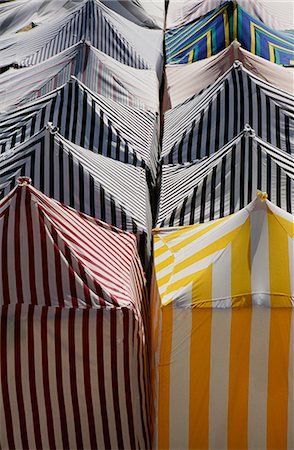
point(248, 131)
point(262, 196)
point(52, 128)
point(24, 181)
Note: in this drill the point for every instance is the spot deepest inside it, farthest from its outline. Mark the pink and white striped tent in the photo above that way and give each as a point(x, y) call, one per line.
point(73, 350)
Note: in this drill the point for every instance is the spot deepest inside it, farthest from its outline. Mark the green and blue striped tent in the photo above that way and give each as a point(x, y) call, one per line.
point(216, 30)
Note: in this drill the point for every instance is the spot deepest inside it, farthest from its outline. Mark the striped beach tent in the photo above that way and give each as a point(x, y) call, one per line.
point(275, 14)
point(202, 125)
point(91, 20)
point(101, 73)
point(216, 30)
point(226, 182)
point(73, 348)
point(92, 121)
point(223, 331)
point(83, 180)
point(186, 80)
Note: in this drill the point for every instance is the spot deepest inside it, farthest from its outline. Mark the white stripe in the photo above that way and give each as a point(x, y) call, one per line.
point(258, 377)
point(219, 377)
point(180, 377)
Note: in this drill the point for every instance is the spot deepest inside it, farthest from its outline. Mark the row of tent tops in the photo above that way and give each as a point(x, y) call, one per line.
point(150, 14)
point(85, 253)
point(201, 191)
point(129, 86)
point(102, 24)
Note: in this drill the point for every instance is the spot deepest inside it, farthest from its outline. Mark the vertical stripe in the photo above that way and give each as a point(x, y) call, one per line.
point(278, 367)
point(240, 340)
point(291, 387)
point(258, 377)
point(180, 378)
point(200, 362)
point(164, 378)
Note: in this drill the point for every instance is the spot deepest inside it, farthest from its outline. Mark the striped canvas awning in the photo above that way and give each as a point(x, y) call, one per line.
point(101, 73)
point(223, 297)
point(202, 125)
point(96, 123)
point(226, 182)
point(275, 14)
point(186, 80)
point(216, 30)
point(72, 306)
point(91, 20)
point(21, 14)
point(85, 181)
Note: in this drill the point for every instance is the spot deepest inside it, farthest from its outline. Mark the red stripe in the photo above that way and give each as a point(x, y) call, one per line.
point(143, 405)
point(17, 239)
point(44, 254)
point(18, 377)
point(85, 284)
point(6, 294)
point(73, 376)
point(58, 276)
point(116, 407)
point(46, 385)
point(87, 379)
point(58, 365)
point(30, 241)
point(4, 378)
point(32, 378)
point(101, 376)
point(126, 326)
point(71, 276)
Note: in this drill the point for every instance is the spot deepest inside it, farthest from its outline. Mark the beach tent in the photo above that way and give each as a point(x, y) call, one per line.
point(22, 15)
point(275, 14)
point(216, 30)
point(225, 182)
point(73, 348)
point(205, 123)
point(186, 80)
point(91, 20)
point(223, 331)
point(101, 73)
point(92, 121)
point(83, 180)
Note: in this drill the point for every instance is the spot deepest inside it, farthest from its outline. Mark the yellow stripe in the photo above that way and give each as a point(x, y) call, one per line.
point(164, 378)
point(200, 364)
point(278, 365)
point(191, 54)
point(216, 246)
point(277, 408)
point(208, 44)
point(227, 30)
point(252, 32)
point(240, 342)
point(279, 261)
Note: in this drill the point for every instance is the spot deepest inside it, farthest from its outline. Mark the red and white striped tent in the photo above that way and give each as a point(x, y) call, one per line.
point(73, 351)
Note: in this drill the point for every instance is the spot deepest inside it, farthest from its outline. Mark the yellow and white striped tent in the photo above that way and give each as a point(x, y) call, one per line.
point(223, 331)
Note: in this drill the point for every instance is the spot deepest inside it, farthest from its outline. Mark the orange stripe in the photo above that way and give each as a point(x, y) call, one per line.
point(277, 406)
point(240, 340)
point(164, 378)
point(278, 369)
point(200, 364)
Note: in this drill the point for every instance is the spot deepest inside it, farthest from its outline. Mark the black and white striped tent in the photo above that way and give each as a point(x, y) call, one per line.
point(90, 183)
point(126, 134)
point(202, 125)
point(226, 182)
point(101, 73)
point(91, 20)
